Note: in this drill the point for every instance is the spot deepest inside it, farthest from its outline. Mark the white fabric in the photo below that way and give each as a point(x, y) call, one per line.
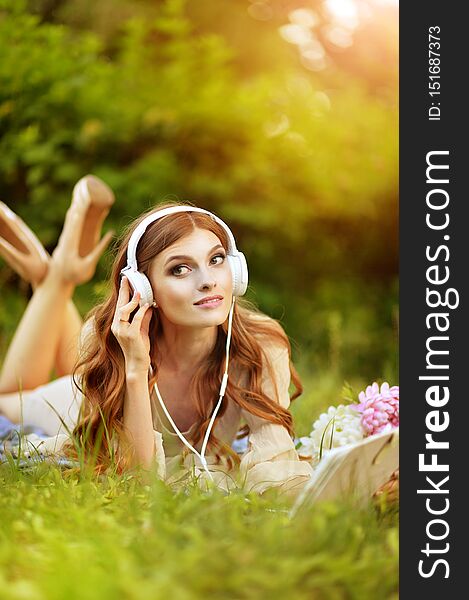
point(52, 407)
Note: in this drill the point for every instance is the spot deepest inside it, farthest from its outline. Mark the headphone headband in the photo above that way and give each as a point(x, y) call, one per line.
point(142, 227)
point(139, 281)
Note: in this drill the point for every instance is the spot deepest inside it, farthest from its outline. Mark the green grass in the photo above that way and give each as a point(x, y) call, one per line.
point(64, 535)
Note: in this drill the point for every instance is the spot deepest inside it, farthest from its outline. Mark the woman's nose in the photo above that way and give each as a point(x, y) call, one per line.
point(207, 285)
point(207, 282)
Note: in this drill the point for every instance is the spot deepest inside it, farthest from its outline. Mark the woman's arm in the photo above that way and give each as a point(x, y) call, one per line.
point(138, 422)
point(138, 440)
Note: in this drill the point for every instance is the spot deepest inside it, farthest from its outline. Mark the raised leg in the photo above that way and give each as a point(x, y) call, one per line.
point(67, 349)
point(32, 352)
point(26, 255)
point(49, 330)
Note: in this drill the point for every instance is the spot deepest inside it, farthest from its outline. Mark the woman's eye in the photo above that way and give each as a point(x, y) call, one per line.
point(218, 259)
point(176, 270)
point(222, 256)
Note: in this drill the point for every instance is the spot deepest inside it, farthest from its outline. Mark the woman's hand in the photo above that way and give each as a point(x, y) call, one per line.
point(133, 337)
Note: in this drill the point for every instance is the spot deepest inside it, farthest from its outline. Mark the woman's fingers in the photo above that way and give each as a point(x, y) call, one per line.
point(140, 321)
point(123, 306)
point(145, 324)
point(139, 316)
point(133, 337)
point(146, 321)
point(124, 311)
point(124, 292)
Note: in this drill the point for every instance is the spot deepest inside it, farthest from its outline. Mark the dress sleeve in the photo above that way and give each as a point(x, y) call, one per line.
point(271, 460)
point(160, 457)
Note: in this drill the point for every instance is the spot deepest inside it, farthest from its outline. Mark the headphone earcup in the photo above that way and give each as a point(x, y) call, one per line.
point(141, 284)
point(239, 272)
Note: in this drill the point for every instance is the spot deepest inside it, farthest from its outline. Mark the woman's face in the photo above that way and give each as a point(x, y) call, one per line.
point(190, 270)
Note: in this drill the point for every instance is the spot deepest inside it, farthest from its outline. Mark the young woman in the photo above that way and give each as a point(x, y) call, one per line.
point(145, 376)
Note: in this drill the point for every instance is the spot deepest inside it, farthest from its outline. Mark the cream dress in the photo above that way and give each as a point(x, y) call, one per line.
point(270, 461)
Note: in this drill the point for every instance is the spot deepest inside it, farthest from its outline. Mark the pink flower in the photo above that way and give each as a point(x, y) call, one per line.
point(379, 408)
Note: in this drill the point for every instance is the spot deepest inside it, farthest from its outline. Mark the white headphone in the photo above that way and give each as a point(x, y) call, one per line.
point(140, 283)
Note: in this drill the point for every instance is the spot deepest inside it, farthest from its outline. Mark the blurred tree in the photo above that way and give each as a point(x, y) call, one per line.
point(185, 100)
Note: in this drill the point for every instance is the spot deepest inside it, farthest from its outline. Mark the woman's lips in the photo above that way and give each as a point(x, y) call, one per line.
point(210, 302)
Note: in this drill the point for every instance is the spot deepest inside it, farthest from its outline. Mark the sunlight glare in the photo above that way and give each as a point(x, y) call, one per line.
point(296, 34)
point(304, 17)
point(339, 36)
point(344, 12)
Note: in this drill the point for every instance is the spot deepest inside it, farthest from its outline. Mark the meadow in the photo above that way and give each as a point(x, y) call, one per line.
point(283, 120)
point(64, 534)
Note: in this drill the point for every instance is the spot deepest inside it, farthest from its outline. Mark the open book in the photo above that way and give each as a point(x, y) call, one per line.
point(357, 470)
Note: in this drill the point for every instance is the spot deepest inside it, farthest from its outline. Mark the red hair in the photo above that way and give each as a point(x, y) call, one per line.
point(102, 369)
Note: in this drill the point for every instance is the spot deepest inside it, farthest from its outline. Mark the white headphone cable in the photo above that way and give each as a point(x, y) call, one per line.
point(224, 383)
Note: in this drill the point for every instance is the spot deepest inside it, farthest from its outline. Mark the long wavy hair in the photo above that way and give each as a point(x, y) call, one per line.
point(100, 371)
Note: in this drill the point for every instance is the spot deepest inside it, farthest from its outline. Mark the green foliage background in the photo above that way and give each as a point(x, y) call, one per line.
point(200, 101)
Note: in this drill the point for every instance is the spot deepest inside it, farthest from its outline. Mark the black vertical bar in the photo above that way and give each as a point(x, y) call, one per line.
point(433, 123)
